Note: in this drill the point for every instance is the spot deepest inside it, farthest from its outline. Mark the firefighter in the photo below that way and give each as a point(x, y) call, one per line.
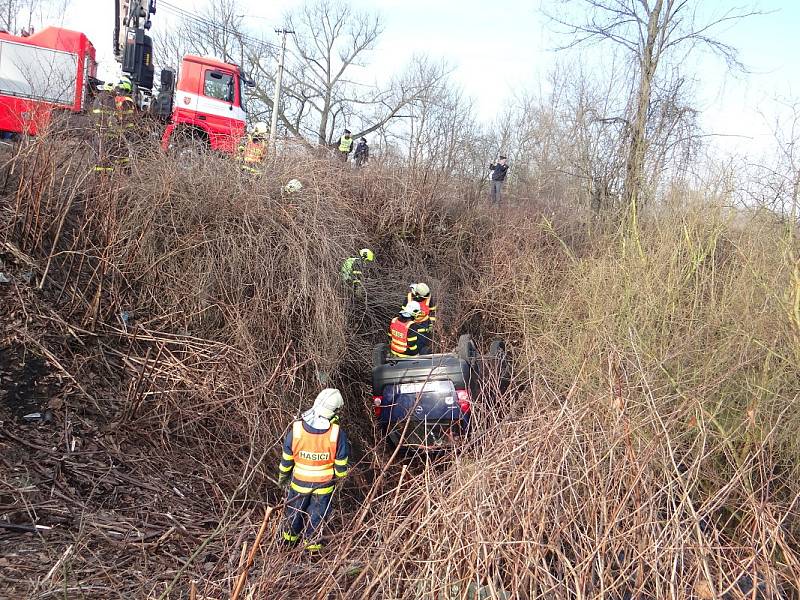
point(345, 146)
point(115, 125)
point(403, 332)
point(102, 115)
point(352, 268)
point(315, 457)
point(123, 100)
point(421, 293)
point(254, 151)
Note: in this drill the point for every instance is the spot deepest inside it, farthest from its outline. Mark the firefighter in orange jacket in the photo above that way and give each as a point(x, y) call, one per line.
point(421, 294)
point(404, 336)
point(315, 456)
point(254, 151)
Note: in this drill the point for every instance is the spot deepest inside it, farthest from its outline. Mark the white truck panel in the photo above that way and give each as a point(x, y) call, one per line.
point(38, 73)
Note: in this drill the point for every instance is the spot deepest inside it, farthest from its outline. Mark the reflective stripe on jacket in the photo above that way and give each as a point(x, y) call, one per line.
point(314, 453)
point(254, 152)
point(306, 434)
point(402, 338)
point(427, 306)
point(345, 143)
point(124, 104)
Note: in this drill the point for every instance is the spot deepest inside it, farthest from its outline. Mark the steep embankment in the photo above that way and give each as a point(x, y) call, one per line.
point(186, 313)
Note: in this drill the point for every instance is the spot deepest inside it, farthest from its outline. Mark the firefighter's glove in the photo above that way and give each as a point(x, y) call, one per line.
point(283, 480)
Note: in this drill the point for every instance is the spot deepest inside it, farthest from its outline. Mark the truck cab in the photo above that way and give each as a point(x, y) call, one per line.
point(207, 105)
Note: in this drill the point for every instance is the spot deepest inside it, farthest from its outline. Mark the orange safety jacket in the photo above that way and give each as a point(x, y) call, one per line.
point(314, 454)
point(428, 311)
point(254, 152)
point(124, 104)
point(402, 338)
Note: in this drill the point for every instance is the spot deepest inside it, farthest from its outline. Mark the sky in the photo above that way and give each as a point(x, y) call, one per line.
point(503, 48)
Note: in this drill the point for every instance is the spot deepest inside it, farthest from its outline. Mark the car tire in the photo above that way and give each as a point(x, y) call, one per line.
point(379, 354)
point(466, 349)
point(498, 356)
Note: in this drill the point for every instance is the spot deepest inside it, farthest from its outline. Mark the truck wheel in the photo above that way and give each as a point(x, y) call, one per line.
point(466, 349)
point(186, 143)
point(379, 354)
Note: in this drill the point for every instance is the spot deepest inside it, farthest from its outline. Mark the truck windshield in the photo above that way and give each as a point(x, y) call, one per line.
point(218, 85)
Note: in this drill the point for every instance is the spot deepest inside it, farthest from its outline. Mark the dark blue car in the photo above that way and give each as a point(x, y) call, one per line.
point(425, 402)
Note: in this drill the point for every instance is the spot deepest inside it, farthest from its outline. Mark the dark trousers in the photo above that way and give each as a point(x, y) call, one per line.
point(306, 512)
point(496, 191)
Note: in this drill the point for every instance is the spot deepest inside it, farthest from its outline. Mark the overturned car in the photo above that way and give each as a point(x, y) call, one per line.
point(425, 402)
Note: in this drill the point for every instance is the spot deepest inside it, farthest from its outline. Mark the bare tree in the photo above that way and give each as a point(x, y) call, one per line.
point(17, 16)
point(772, 181)
point(331, 42)
point(650, 32)
point(219, 30)
point(322, 92)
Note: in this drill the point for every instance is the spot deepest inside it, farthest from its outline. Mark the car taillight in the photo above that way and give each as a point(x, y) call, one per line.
point(376, 403)
point(464, 400)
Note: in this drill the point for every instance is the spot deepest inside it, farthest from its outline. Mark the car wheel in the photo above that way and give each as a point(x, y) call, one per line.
point(466, 349)
point(500, 362)
point(379, 354)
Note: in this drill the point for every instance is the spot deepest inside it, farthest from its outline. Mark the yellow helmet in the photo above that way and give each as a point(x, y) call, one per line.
point(367, 254)
point(125, 84)
point(420, 291)
point(260, 128)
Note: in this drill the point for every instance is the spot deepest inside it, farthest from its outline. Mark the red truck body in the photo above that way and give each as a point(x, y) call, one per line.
point(43, 73)
point(50, 71)
point(208, 100)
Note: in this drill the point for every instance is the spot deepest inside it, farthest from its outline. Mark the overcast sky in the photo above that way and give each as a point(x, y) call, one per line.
point(501, 48)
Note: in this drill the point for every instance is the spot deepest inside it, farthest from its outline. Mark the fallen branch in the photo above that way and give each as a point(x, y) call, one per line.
point(251, 557)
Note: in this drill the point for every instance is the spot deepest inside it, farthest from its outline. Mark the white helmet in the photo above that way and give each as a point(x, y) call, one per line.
point(327, 403)
point(260, 128)
point(411, 310)
point(420, 290)
point(293, 186)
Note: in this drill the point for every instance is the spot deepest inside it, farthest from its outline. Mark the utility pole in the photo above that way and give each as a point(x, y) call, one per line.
point(273, 130)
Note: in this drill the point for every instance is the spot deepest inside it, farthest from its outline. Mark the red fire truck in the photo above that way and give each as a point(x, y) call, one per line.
point(41, 74)
point(207, 104)
point(55, 70)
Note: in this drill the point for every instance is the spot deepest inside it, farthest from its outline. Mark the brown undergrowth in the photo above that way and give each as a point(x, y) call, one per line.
point(181, 314)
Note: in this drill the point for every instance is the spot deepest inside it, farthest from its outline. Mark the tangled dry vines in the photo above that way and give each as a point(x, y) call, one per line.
point(170, 322)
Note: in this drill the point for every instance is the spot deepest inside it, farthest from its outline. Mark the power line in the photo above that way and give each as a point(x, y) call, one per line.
point(176, 10)
point(218, 26)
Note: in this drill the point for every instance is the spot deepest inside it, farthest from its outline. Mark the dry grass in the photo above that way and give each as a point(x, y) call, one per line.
point(647, 448)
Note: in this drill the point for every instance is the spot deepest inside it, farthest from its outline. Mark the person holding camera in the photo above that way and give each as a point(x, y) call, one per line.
point(499, 170)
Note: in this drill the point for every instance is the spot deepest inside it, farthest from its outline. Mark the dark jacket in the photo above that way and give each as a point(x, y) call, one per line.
point(362, 148)
point(498, 171)
point(361, 155)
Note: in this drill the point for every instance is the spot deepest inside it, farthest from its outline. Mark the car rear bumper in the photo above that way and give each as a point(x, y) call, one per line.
point(427, 435)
